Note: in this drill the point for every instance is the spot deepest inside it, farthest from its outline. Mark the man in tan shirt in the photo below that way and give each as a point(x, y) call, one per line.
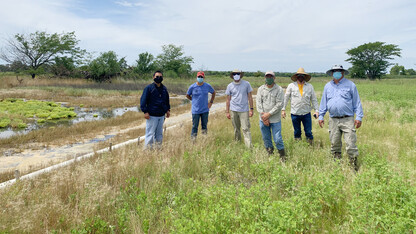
point(302, 99)
point(269, 102)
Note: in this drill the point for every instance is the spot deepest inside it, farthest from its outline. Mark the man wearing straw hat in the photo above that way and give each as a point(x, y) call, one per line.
point(302, 100)
point(269, 102)
point(340, 98)
point(239, 98)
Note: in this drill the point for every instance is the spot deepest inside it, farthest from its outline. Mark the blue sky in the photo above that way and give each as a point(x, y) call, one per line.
point(280, 35)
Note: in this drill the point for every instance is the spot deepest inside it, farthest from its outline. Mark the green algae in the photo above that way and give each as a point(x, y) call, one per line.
point(16, 113)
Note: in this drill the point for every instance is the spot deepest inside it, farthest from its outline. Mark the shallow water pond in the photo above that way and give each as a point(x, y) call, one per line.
point(83, 114)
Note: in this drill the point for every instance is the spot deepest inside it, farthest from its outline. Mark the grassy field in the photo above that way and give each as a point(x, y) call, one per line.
point(217, 185)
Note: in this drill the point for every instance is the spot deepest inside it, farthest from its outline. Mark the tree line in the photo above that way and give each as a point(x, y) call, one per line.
point(58, 54)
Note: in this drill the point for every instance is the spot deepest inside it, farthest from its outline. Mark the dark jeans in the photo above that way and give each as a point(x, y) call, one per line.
point(195, 123)
point(307, 125)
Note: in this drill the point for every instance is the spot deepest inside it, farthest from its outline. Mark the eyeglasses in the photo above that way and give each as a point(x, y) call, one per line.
point(200, 77)
point(159, 77)
point(236, 73)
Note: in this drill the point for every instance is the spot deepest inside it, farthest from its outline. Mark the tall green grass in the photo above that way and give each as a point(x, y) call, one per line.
point(218, 185)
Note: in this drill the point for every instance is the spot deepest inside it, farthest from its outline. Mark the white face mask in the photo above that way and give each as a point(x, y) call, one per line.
point(236, 77)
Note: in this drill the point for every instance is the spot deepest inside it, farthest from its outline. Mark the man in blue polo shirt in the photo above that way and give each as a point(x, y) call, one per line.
point(340, 98)
point(154, 102)
point(198, 94)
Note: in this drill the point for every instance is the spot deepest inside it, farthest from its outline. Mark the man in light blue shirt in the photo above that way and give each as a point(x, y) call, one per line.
point(340, 98)
point(198, 94)
point(239, 98)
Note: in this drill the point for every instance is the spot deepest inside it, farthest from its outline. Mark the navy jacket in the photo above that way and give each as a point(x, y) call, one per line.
point(155, 100)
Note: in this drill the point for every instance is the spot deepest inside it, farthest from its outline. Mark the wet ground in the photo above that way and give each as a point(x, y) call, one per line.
point(83, 114)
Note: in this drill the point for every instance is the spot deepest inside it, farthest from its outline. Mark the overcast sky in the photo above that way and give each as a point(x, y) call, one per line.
point(280, 35)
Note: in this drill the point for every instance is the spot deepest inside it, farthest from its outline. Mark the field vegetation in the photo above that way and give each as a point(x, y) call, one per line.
point(218, 185)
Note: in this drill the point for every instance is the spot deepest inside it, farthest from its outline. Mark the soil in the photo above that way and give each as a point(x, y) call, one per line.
point(29, 159)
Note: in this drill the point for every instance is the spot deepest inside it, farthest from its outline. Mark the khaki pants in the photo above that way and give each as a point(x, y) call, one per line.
point(339, 126)
point(241, 120)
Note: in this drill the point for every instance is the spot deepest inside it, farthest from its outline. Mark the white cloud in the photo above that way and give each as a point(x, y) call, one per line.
point(252, 35)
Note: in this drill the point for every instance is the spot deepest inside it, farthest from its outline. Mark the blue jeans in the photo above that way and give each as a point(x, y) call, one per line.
point(195, 123)
point(154, 130)
point(274, 129)
point(307, 125)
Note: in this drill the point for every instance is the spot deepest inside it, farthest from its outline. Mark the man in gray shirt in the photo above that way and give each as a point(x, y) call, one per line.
point(239, 98)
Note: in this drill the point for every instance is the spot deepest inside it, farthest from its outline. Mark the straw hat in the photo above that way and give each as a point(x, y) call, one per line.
point(337, 67)
point(301, 71)
point(236, 71)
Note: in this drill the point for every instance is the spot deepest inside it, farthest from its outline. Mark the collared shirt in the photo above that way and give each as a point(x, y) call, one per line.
point(341, 99)
point(239, 95)
point(300, 104)
point(270, 100)
point(199, 94)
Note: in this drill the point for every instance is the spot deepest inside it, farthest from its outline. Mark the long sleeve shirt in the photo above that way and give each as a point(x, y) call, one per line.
point(300, 104)
point(270, 100)
point(155, 100)
point(340, 100)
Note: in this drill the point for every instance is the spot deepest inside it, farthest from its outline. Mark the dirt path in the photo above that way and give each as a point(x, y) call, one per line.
point(36, 158)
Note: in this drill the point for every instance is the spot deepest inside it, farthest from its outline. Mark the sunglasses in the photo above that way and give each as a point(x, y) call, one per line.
point(200, 77)
point(158, 77)
point(236, 73)
point(300, 76)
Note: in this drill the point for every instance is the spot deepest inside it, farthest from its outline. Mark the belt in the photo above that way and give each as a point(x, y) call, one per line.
point(340, 117)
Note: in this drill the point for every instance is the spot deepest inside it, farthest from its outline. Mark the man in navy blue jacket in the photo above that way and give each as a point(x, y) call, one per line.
point(154, 102)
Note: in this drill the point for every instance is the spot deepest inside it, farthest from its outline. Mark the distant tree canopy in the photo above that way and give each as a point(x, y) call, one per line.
point(107, 65)
point(372, 59)
point(397, 70)
point(172, 61)
point(37, 49)
point(144, 65)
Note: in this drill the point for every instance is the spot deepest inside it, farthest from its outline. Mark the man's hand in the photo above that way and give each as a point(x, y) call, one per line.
point(250, 113)
point(146, 115)
point(283, 114)
point(167, 114)
point(266, 122)
point(321, 123)
point(357, 123)
point(316, 115)
point(209, 105)
point(228, 115)
point(265, 116)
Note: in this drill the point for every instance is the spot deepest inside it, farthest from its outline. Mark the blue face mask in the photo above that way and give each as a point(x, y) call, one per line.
point(337, 75)
point(200, 80)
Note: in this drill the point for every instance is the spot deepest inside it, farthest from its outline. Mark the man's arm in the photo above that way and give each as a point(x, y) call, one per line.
point(227, 107)
point(314, 102)
point(212, 99)
point(323, 108)
point(357, 107)
point(288, 96)
point(143, 103)
point(250, 102)
point(259, 106)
